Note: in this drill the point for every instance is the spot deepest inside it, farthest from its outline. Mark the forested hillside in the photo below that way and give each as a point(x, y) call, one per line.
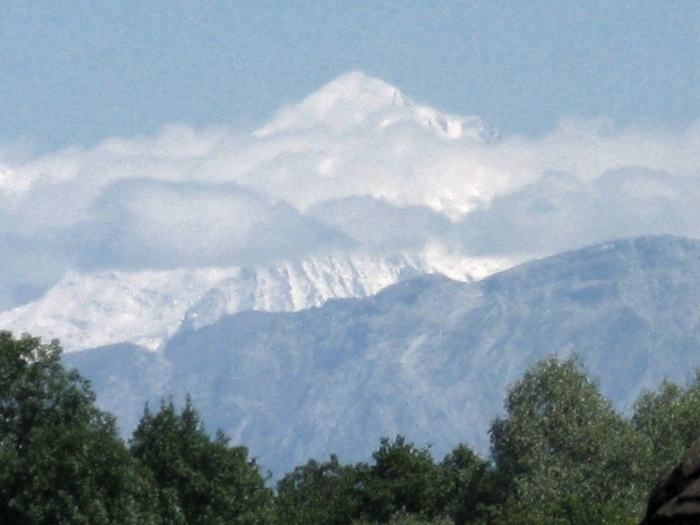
point(559, 454)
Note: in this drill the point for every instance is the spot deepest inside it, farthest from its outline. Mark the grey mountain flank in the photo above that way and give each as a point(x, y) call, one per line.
point(429, 357)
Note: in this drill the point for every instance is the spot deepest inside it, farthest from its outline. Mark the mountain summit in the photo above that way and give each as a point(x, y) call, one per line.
point(355, 99)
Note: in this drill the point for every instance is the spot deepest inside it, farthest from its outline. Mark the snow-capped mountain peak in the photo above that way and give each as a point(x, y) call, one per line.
point(356, 100)
point(346, 101)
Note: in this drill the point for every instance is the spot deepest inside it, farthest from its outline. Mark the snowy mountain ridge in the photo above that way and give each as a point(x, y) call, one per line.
point(357, 183)
point(147, 307)
point(429, 358)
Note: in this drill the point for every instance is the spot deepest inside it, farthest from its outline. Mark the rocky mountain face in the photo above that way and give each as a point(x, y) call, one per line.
point(427, 357)
point(675, 500)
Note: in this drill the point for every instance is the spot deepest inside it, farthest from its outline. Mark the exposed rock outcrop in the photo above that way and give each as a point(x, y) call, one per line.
point(676, 498)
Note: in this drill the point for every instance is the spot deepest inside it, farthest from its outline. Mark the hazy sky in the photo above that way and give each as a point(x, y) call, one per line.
point(77, 72)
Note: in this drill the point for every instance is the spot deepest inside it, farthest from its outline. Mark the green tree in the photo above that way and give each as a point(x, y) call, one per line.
point(470, 484)
point(200, 481)
point(670, 418)
point(403, 518)
point(563, 455)
point(321, 493)
point(61, 460)
point(404, 479)
point(403, 485)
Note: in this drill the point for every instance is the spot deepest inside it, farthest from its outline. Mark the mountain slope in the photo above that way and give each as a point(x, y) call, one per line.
point(430, 357)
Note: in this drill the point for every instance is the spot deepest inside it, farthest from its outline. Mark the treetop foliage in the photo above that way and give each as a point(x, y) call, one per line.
point(62, 460)
point(563, 453)
point(198, 480)
point(560, 454)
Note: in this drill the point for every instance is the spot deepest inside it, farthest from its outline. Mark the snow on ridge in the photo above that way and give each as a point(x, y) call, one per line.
point(296, 286)
point(147, 307)
point(100, 308)
point(460, 268)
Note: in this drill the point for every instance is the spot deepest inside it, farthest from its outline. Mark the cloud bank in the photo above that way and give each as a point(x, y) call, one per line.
point(355, 164)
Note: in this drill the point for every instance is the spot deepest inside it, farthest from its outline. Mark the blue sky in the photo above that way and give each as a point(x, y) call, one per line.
point(77, 72)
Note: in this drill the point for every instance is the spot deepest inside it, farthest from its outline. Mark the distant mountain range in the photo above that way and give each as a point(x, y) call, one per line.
point(428, 357)
point(349, 269)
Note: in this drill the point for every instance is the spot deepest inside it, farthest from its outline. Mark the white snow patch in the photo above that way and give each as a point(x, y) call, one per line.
point(147, 307)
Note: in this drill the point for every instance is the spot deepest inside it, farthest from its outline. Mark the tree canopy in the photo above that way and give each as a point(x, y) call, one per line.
point(199, 480)
point(62, 458)
point(563, 454)
point(323, 493)
point(670, 419)
point(560, 454)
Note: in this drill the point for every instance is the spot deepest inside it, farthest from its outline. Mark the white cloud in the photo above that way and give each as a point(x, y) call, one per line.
point(146, 223)
point(190, 197)
point(559, 212)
